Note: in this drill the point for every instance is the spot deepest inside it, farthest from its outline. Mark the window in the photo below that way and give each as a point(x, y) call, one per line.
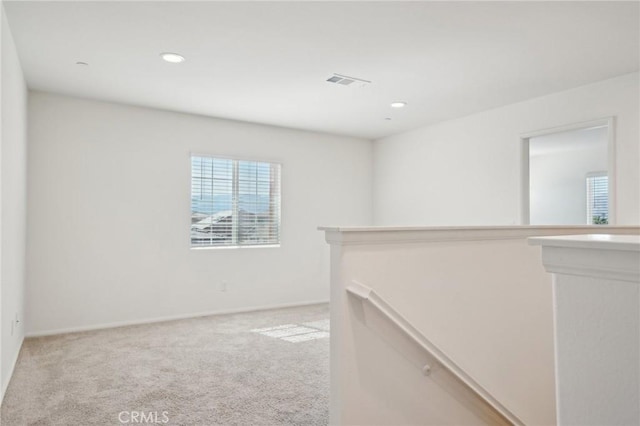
point(234, 202)
point(597, 198)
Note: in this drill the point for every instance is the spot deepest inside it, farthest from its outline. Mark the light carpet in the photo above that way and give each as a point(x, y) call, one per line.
point(240, 369)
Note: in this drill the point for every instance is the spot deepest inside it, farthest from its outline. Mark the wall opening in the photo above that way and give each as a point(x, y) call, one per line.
point(568, 175)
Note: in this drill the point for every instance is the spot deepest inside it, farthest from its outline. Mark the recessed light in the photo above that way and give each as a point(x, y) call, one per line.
point(84, 64)
point(398, 104)
point(174, 58)
point(388, 118)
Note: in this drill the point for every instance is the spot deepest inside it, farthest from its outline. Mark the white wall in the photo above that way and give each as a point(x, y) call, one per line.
point(13, 201)
point(558, 190)
point(109, 214)
point(596, 294)
point(467, 171)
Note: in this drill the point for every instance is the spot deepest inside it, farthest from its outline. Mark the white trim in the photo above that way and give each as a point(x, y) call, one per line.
point(5, 384)
point(609, 257)
point(582, 270)
point(395, 235)
point(255, 246)
point(598, 122)
point(117, 324)
point(525, 207)
point(591, 241)
point(236, 158)
point(612, 171)
point(608, 122)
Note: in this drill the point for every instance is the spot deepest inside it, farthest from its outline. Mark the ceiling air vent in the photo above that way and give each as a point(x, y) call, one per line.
point(345, 80)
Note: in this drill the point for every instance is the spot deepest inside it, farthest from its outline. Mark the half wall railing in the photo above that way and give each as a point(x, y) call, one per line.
point(470, 306)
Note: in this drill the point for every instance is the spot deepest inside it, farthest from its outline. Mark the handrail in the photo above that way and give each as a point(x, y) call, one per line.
point(365, 293)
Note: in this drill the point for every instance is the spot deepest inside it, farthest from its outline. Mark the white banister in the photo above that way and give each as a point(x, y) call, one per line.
point(496, 414)
point(596, 287)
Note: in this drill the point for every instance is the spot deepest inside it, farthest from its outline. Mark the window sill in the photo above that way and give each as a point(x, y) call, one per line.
point(258, 246)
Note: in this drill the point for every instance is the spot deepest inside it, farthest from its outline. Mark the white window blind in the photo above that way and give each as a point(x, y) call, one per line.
point(597, 198)
point(234, 202)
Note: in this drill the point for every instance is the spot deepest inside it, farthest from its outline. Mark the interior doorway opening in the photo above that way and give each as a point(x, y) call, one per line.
point(568, 175)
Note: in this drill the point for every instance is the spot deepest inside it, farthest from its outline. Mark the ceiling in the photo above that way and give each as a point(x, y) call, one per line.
point(267, 62)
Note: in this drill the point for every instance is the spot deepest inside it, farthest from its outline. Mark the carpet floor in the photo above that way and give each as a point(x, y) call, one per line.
point(258, 368)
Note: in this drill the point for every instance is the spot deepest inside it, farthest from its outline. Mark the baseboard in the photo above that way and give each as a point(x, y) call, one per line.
point(5, 384)
point(170, 318)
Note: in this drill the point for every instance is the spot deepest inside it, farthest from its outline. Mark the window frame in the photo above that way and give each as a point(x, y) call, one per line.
point(235, 246)
point(589, 195)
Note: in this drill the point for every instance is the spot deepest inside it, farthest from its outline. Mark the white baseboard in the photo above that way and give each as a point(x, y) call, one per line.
point(169, 318)
point(7, 380)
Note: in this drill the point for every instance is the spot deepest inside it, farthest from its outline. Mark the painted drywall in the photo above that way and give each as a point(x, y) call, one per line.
point(597, 320)
point(13, 220)
point(468, 171)
point(596, 293)
point(557, 177)
point(109, 214)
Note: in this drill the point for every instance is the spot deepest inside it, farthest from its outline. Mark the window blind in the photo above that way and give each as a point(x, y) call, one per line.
point(597, 198)
point(234, 202)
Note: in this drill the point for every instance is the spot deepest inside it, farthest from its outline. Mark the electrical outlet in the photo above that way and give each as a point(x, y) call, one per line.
point(223, 286)
point(14, 323)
